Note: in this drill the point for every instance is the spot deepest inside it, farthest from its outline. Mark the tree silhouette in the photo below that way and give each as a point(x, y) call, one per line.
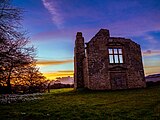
point(17, 61)
point(10, 18)
point(14, 54)
point(29, 79)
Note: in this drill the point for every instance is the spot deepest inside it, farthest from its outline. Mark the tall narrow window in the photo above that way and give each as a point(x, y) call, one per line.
point(115, 55)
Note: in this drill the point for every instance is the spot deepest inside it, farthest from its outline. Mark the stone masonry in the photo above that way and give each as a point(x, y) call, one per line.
point(107, 63)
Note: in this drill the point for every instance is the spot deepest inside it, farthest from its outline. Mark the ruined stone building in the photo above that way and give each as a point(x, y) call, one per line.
point(107, 63)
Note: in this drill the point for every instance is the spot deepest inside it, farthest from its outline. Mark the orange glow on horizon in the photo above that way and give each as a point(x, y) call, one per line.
point(54, 75)
point(53, 62)
point(148, 70)
point(150, 67)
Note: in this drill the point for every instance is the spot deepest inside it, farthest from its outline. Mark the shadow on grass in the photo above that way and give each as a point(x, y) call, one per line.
point(72, 91)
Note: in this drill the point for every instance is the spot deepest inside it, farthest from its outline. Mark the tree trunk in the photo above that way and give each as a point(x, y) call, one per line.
point(9, 88)
point(48, 87)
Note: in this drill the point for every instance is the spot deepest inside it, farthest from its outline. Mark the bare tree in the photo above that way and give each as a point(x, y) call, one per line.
point(16, 57)
point(10, 18)
point(14, 54)
point(31, 79)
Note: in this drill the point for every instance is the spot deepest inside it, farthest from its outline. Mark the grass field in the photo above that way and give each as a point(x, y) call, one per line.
point(93, 105)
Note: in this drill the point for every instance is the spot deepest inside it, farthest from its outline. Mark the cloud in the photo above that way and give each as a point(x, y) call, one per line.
point(151, 39)
point(65, 34)
point(151, 67)
point(54, 75)
point(46, 35)
point(151, 64)
point(137, 24)
point(53, 62)
point(151, 52)
point(53, 10)
point(151, 70)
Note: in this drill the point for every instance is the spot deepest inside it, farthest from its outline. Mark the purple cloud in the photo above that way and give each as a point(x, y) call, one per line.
point(151, 52)
point(135, 26)
point(56, 16)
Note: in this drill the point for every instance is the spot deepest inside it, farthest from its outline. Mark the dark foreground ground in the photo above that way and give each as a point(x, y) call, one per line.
point(93, 105)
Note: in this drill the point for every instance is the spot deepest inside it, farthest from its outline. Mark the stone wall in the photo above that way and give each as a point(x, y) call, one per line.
point(135, 66)
point(85, 72)
point(97, 59)
point(132, 66)
point(79, 55)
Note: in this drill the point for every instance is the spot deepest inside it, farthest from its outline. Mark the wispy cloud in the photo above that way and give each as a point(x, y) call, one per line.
point(151, 52)
point(51, 6)
point(53, 62)
point(151, 39)
point(54, 75)
point(151, 67)
point(135, 26)
point(151, 63)
point(151, 70)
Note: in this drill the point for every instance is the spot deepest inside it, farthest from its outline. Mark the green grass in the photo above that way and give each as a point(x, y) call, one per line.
point(92, 105)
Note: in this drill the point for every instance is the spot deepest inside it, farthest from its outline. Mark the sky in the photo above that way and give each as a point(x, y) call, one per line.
point(52, 26)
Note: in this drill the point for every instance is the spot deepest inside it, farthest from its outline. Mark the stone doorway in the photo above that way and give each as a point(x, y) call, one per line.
point(118, 80)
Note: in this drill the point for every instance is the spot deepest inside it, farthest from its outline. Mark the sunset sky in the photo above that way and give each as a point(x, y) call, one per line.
point(52, 26)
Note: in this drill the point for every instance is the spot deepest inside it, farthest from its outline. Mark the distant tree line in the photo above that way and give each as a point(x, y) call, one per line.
point(60, 85)
point(18, 71)
point(151, 83)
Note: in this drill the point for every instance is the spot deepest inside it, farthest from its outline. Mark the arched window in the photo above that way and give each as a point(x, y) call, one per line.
point(115, 55)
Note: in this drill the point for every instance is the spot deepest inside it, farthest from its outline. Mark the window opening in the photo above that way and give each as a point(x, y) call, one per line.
point(115, 55)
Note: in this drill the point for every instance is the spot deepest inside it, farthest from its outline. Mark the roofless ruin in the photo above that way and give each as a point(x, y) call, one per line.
point(107, 63)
